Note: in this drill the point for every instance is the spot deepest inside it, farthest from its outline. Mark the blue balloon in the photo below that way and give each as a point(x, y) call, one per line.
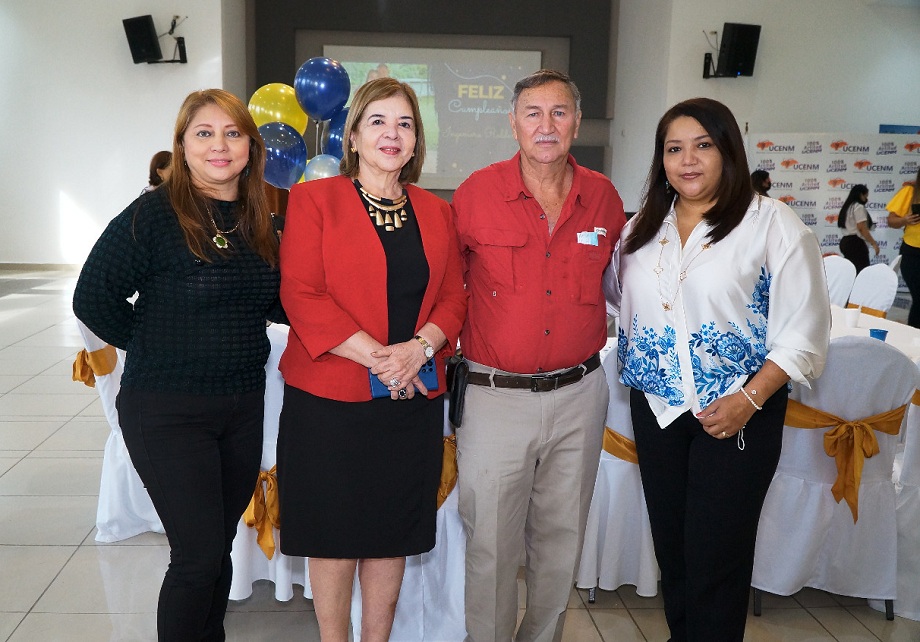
point(335, 134)
point(285, 154)
point(322, 87)
point(322, 166)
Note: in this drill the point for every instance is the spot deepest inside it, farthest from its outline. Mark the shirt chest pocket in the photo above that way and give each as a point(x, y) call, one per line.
point(496, 250)
point(591, 261)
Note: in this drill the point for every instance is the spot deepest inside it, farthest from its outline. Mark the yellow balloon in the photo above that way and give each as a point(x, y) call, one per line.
point(277, 102)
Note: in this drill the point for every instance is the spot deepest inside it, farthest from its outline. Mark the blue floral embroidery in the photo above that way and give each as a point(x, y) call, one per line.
point(648, 360)
point(732, 352)
point(649, 363)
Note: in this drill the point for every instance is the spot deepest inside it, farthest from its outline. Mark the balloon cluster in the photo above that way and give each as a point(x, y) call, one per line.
point(282, 113)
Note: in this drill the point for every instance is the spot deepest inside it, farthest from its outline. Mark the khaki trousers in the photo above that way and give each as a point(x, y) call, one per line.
point(527, 466)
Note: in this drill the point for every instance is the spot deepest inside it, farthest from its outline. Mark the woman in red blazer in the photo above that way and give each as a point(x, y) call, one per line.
point(371, 282)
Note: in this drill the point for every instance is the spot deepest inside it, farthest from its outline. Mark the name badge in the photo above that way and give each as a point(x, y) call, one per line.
point(587, 238)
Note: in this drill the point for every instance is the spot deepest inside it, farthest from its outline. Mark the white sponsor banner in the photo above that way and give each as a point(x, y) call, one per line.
point(813, 174)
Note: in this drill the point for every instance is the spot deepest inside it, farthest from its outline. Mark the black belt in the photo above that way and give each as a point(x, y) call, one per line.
point(537, 383)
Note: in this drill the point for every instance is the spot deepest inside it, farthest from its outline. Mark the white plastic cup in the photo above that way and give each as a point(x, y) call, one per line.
point(851, 317)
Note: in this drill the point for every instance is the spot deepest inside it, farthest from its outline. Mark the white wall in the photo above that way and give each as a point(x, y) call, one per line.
point(81, 120)
point(233, 47)
point(641, 96)
point(822, 65)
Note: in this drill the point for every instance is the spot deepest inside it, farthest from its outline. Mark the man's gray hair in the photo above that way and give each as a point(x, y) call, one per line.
point(544, 77)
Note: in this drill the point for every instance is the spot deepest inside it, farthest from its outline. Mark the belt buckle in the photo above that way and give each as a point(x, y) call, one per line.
point(535, 379)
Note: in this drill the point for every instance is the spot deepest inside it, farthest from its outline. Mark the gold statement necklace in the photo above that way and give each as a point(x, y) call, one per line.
point(390, 214)
point(220, 239)
point(658, 269)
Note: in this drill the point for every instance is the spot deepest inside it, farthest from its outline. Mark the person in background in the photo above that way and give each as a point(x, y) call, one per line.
point(722, 300)
point(536, 233)
point(760, 181)
point(159, 170)
point(904, 211)
point(854, 220)
point(372, 285)
point(202, 256)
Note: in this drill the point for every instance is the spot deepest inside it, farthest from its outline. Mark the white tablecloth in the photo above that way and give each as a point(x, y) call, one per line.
point(900, 335)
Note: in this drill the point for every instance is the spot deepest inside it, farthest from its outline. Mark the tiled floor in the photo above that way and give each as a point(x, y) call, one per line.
point(57, 583)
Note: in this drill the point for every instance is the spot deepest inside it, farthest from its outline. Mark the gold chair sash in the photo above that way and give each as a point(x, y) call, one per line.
point(619, 446)
point(88, 365)
point(263, 512)
point(448, 469)
point(867, 310)
point(848, 442)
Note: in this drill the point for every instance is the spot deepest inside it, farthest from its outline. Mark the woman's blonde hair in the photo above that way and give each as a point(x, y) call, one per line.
point(191, 205)
point(381, 89)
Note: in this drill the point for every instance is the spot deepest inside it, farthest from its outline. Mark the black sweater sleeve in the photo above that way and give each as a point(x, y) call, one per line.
point(113, 272)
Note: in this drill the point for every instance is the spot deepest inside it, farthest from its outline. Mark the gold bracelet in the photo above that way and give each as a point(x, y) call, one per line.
point(748, 397)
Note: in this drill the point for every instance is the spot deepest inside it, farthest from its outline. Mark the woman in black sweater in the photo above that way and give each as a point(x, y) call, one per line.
point(202, 255)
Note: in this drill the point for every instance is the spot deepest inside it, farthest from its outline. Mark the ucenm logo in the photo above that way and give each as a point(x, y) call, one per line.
point(841, 185)
point(795, 166)
point(869, 167)
point(769, 146)
point(843, 147)
point(838, 165)
point(812, 147)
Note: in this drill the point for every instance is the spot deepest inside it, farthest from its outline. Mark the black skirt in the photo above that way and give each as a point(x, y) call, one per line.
point(358, 480)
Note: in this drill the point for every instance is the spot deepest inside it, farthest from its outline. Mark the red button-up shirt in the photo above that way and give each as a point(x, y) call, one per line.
point(535, 299)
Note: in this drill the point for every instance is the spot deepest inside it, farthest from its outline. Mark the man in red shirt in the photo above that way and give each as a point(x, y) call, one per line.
point(536, 233)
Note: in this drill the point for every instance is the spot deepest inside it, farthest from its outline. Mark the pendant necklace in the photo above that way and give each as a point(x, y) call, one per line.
point(219, 239)
point(390, 214)
point(658, 269)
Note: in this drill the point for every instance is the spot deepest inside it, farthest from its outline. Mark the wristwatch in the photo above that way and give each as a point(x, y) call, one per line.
point(429, 351)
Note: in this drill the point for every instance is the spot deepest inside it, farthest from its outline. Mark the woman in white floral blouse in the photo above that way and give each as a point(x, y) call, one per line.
point(722, 300)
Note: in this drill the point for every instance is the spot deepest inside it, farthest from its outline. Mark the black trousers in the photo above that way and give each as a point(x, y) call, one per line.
point(910, 270)
point(855, 250)
point(199, 457)
point(704, 499)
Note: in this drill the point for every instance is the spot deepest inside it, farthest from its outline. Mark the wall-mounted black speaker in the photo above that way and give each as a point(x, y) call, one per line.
point(738, 50)
point(142, 38)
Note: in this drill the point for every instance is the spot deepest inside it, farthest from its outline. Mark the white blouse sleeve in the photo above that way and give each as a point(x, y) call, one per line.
point(613, 293)
point(859, 213)
point(799, 319)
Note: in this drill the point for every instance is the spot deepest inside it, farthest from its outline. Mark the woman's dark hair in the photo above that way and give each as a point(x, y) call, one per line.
point(758, 178)
point(734, 193)
point(159, 161)
point(855, 192)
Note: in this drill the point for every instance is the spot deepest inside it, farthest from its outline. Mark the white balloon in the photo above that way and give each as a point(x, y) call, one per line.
point(321, 166)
